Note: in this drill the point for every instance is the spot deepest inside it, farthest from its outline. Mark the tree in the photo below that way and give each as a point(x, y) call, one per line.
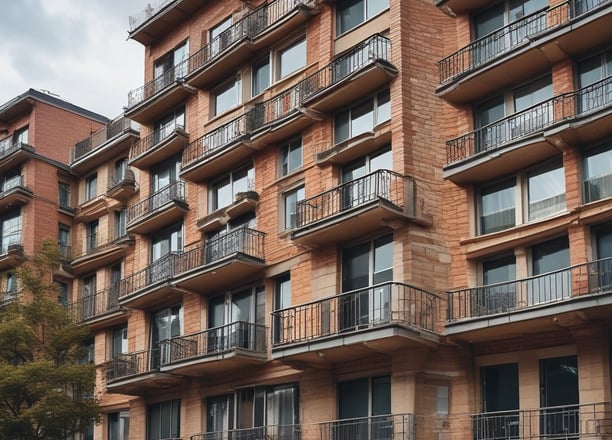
point(46, 389)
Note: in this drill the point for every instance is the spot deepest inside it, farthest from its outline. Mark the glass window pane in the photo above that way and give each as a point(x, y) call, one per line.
point(341, 126)
point(353, 399)
point(227, 97)
point(381, 395)
point(533, 94)
point(293, 58)
point(551, 255)
point(383, 110)
point(261, 77)
point(546, 192)
point(497, 207)
point(598, 175)
point(350, 13)
point(374, 7)
point(362, 118)
point(499, 270)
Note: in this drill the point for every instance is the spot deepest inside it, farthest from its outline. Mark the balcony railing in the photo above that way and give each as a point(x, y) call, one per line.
point(269, 432)
point(172, 192)
point(65, 252)
point(9, 146)
point(149, 142)
point(132, 364)
point(235, 336)
point(380, 305)
point(158, 84)
point(396, 426)
point(381, 184)
point(93, 306)
point(505, 39)
point(11, 241)
point(94, 245)
point(245, 241)
point(8, 296)
point(552, 287)
point(11, 183)
point(160, 270)
point(100, 137)
point(374, 49)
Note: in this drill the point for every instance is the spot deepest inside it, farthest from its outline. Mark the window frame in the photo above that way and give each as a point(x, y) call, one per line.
point(367, 16)
point(233, 85)
point(380, 101)
point(91, 187)
point(286, 223)
point(232, 178)
point(286, 153)
point(287, 50)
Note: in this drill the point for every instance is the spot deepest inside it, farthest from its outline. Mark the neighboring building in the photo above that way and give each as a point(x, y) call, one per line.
point(529, 166)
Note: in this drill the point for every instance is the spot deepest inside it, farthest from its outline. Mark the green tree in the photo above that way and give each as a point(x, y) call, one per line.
point(46, 387)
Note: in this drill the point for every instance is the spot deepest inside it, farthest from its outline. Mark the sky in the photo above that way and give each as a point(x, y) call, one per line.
point(77, 49)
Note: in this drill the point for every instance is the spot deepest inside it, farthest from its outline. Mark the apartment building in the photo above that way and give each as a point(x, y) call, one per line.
point(528, 145)
point(282, 261)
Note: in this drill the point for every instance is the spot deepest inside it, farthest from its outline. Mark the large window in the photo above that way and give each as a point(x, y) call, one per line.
point(171, 66)
point(164, 244)
point(164, 420)
point(282, 300)
point(291, 156)
point(92, 236)
point(548, 260)
point(290, 201)
point(351, 13)
point(597, 173)
point(363, 409)
point(497, 206)
point(590, 72)
point(11, 230)
point(119, 425)
point(64, 195)
point(496, 295)
point(227, 96)
point(546, 188)
point(165, 324)
point(219, 38)
point(91, 187)
point(362, 117)
point(165, 126)
point(224, 189)
point(120, 224)
point(119, 340)
point(291, 58)
point(500, 392)
point(260, 76)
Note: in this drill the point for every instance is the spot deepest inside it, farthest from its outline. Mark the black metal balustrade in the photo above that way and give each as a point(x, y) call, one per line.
point(494, 45)
point(160, 270)
point(97, 139)
point(584, 279)
point(175, 191)
point(269, 432)
point(385, 427)
point(132, 364)
point(381, 184)
point(158, 84)
point(8, 146)
point(94, 245)
point(235, 336)
point(158, 136)
point(11, 183)
point(380, 305)
point(244, 241)
point(94, 306)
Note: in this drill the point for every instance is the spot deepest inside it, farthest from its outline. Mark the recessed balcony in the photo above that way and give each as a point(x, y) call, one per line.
point(13, 153)
point(162, 208)
point(138, 373)
point(14, 192)
point(98, 308)
point(378, 200)
point(159, 95)
point(158, 146)
point(385, 317)
point(220, 349)
point(527, 305)
point(354, 75)
point(11, 253)
point(99, 252)
point(152, 286)
point(108, 142)
point(524, 48)
point(217, 151)
point(122, 186)
point(153, 23)
point(224, 261)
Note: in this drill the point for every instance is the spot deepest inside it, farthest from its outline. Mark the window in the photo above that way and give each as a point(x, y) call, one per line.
point(166, 126)
point(442, 400)
point(231, 239)
point(62, 294)
point(551, 256)
point(120, 169)
point(227, 96)
point(119, 341)
point(361, 186)
point(546, 192)
point(364, 403)
point(21, 136)
point(165, 324)
point(164, 420)
point(89, 346)
point(590, 72)
point(282, 300)
point(351, 13)
point(219, 38)
point(260, 77)
point(164, 183)
point(92, 236)
point(497, 206)
point(63, 241)
point(164, 244)
point(224, 189)
point(88, 297)
point(119, 425)
point(597, 172)
point(120, 224)
point(290, 201)
point(171, 66)
point(291, 156)
point(292, 58)
point(362, 117)
point(11, 230)
point(496, 295)
point(64, 195)
point(500, 392)
point(11, 285)
point(91, 187)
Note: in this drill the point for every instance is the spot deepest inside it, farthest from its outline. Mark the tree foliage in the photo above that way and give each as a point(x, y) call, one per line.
point(46, 390)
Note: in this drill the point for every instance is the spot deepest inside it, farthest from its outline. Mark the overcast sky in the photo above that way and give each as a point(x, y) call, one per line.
point(77, 49)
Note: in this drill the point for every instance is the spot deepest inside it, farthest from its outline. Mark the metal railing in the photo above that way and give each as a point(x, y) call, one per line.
point(161, 270)
point(139, 18)
point(8, 296)
point(93, 306)
point(533, 120)
point(503, 40)
point(123, 177)
point(175, 191)
point(95, 245)
point(132, 364)
point(235, 336)
point(384, 427)
point(158, 84)
point(65, 252)
point(381, 184)
point(158, 136)
point(384, 304)
point(8, 146)
point(501, 298)
point(98, 138)
point(243, 240)
point(269, 432)
point(11, 242)
point(11, 183)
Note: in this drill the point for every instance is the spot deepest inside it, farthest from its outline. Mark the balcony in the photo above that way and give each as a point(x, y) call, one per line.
point(220, 349)
point(152, 286)
point(353, 209)
point(13, 153)
point(392, 426)
point(224, 261)
point(524, 48)
point(158, 146)
point(11, 253)
point(257, 30)
point(268, 432)
point(217, 151)
point(355, 74)
point(244, 202)
point(138, 373)
point(100, 252)
point(486, 312)
point(122, 186)
point(390, 316)
point(94, 309)
point(162, 208)
point(14, 192)
point(103, 145)
point(159, 95)
point(531, 136)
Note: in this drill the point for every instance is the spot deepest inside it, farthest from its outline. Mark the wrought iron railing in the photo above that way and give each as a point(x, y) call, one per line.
point(93, 306)
point(244, 241)
point(95, 245)
point(381, 184)
point(161, 270)
point(149, 142)
point(11, 183)
point(501, 298)
point(158, 84)
point(175, 191)
point(235, 336)
point(132, 364)
point(139, 18)
point(503, 40)
point(383, 427)
point(9, 146)
point(384, 304)
point(268, 432)
point(97, 139)
point(11, 241)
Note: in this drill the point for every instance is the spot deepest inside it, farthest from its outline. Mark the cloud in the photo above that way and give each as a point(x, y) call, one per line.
point(76, 49)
